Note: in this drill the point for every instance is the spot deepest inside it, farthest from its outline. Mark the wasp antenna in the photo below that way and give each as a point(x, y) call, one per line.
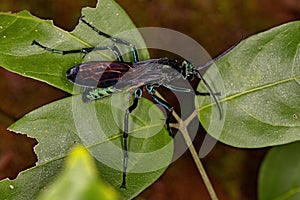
point(210, 62)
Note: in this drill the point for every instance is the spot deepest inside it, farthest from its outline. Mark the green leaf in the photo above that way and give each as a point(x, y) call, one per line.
point(17, 31)
point(279, 176)
point(79, 180)
point(98, 126)
point(259, 82)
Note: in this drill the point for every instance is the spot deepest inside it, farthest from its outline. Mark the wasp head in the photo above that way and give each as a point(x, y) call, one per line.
point(72, 73)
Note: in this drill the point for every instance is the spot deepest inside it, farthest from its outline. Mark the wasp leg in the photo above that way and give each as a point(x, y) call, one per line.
point(114, 39)
point(138, 95)
point(86, 50)
point(113, 47)
point(151, 90)
point(180, 89)
point(207, 93)
point(177, 89)
point(211, 93)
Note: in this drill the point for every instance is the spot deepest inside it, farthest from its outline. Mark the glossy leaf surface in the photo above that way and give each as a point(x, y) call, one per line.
point(17, 31)
point(259, 81)
point(98, 126)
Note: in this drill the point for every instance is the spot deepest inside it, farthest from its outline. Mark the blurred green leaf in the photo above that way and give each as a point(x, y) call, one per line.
point(279, 176)
point(79, 180)
point(259, 81)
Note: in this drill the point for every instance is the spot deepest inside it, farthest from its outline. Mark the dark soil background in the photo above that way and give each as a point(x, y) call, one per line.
point(215, 24)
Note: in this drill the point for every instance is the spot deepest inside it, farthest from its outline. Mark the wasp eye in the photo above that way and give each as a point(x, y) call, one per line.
point(72, 73)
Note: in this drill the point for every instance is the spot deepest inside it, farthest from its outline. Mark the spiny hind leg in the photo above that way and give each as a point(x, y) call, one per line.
point(114, 39)
point(137, 95)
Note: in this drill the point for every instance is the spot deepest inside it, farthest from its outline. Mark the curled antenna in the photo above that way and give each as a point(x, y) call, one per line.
point(210, 62)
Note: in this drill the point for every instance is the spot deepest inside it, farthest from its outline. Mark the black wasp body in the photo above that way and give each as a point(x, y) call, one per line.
point(116, 76)
point(103, 78)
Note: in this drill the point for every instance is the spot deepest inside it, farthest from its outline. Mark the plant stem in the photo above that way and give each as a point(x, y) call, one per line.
point(199, 164)
point(183, 128)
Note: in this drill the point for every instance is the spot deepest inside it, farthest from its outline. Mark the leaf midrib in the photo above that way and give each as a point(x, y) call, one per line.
point(234, 96)
point(41, 164)
point(74, 37)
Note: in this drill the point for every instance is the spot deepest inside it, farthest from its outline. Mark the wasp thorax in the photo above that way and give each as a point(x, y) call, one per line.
point(188, 70)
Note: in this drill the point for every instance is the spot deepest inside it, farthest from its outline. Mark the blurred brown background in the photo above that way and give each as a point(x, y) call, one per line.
point(216, 24)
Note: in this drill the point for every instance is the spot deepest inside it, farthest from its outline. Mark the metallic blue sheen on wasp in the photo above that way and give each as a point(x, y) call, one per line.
point(103, 78)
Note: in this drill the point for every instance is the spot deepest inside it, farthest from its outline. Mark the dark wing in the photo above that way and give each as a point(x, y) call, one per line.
point(100, 74)
point(149, 72)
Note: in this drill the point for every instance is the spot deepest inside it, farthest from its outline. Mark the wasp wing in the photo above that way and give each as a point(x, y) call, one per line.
point(155, 71)
point(124, 75)
point(98, 74)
